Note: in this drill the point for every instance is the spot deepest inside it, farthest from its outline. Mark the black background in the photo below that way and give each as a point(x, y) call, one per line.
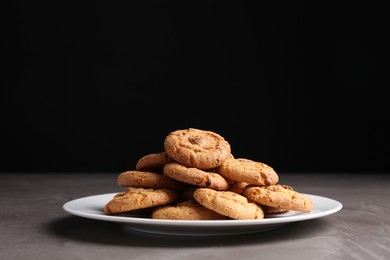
point(92, 86)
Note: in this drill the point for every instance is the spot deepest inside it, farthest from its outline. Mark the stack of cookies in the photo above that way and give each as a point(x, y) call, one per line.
point(196, 177)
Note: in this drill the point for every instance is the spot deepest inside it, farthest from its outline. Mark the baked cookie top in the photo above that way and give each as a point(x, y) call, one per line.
point(278, 196)
point(195, 176)
point(228, 203)
point(237, 186)
point(197, 148)
point(153, 180)
point(139, 198)
point(186, 210)
point(153, 162)
point(246, 170)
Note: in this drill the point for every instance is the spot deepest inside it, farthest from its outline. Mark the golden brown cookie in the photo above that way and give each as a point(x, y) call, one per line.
point(246, 170)
point(278, 196)
point(139, 198)
point(272, 210)
point(195, 176)
point(228, 203)
point(197, 148)
point(152, 180)
point(186, 210)
point(153, 162)
point(237, 186)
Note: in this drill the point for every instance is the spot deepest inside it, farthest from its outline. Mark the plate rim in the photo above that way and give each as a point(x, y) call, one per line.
point(301, 216)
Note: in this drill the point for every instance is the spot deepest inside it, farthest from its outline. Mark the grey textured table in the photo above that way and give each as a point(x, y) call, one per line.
point(35, 226)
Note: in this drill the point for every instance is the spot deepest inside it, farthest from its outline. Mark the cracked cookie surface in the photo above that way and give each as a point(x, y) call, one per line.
point(278, 196)
point(197, 148)
point(153, 162)
point(186, 210)
point(139, 198)
point(194, 176)
point(246, 170)
point(153, 180)
point(228, 203)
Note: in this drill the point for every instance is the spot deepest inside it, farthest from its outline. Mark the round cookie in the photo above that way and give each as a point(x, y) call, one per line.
point(197, 148)
point(237, 186)
point(278, 196)
point(229, 204)
point(186, 210)
point(153, 162)
point(139, 198)
point(246, 170)
point(195, 176)
point(151, 180)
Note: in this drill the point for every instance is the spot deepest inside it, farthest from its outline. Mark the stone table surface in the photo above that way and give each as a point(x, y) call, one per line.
point(34, 224)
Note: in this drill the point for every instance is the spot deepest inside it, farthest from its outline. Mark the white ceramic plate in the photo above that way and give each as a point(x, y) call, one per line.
point(92, 207)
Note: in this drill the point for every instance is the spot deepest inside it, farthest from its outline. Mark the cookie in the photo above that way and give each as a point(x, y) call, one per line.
point(278, 196)
point(151, 180)
point(186, 210)
point(237, 186)
point(272, 210)
point(228, 203)
point(153, 162)
point(246, 170)
point(194, 176)
point(197, 148)
point(139, 198)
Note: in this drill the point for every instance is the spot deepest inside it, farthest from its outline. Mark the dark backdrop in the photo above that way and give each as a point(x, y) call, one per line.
point(93, 86)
